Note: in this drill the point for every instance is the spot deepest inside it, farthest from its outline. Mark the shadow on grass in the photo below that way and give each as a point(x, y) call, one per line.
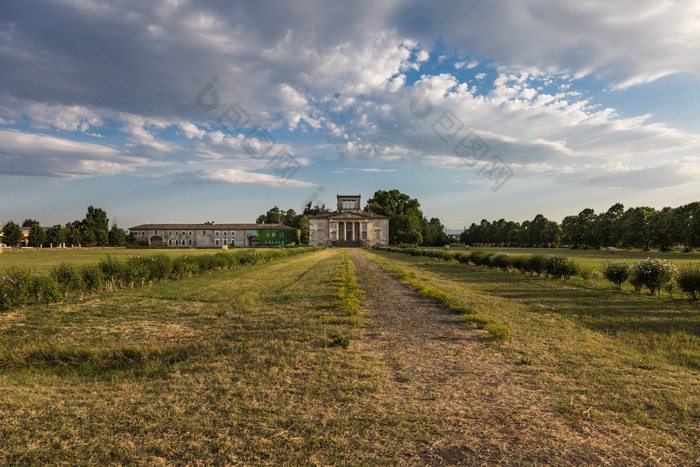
point(85, 360)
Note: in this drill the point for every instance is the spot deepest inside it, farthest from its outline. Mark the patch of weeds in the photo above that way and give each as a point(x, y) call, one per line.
point(338, 340)
point(498, 332)
point(526, 361)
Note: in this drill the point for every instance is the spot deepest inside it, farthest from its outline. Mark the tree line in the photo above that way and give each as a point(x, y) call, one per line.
point(637, 227)
point(93, 229)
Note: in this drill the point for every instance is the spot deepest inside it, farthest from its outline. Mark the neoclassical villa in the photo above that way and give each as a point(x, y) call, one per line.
point(349, 226)
point(213, 235)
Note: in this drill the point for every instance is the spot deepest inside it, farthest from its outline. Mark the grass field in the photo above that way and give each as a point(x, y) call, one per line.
point(229, 368)
point(627, 362)
point(237, 367)
point(42, 260)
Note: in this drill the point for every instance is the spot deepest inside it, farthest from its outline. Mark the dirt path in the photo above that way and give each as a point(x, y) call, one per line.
point(486, 412)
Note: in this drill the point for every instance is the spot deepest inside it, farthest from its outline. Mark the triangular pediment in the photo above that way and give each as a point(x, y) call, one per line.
point(348, 215)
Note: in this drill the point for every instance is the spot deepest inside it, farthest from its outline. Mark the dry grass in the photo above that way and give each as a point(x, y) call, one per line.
point(610, 362)
point(233, 367)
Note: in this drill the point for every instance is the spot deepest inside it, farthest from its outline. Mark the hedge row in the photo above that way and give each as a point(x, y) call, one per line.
point(655, 274)
point(19, 286)
point(555, 266)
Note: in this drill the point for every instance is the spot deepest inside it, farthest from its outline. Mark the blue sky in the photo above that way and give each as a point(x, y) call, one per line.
point(184, 111)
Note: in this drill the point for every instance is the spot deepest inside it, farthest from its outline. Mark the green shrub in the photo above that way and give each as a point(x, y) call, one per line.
point(561, 266)
point(536, 264)
point(68, 277)
point(500, 261)
point(184, 266)
point(160, 266)
point(479, 258)
point(113, 270)
point(463, 258)
point(636, 283)
point(617, 272)
point(93, 278)
point(137, 270)
point(16, 287)
point(654, 273)
point(47, 289)
point(519, 263)
point(688, 280)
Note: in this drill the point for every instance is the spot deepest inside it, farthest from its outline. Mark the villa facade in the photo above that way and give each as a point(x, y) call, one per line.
point(349, 226)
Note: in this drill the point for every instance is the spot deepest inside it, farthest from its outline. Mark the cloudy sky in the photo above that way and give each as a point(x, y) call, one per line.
point(188, 111)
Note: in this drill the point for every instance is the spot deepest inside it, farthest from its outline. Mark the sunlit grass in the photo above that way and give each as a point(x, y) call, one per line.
point(626, 361)
point(233, 367)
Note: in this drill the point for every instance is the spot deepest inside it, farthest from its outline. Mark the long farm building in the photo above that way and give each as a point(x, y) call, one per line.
point(215, 235)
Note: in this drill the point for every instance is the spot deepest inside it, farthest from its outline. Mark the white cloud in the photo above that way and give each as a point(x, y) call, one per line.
point(235, 177)
point(48, 156)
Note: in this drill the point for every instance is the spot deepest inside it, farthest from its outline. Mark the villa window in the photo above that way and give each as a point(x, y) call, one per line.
point(320, 235)
point(377, 234)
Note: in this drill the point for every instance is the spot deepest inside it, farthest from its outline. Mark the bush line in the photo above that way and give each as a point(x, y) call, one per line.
point(20, 287)
point(653, 274)
point(450, 303)
point(348, 295)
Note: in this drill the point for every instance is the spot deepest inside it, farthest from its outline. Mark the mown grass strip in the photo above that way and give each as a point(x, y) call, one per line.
point(348, 295)
point(495, 330)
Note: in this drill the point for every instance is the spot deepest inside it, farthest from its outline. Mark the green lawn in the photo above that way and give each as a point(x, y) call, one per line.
point(625, 361)
point(42, 260)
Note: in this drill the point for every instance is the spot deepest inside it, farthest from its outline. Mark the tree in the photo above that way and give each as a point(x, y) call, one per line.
point(75, 236)
point(102, 238)
point(606, 228)
point(315, 210)
point(29, 222)
point(37, 236)
point(635, 224)
point(12, 234)
point(56, 235)
point(98, 217)
point(117, 236)
point(551, 234)
point(405, 216)
point(693, 234)
point(304, 227)
point(434, 232)
point(569, 227)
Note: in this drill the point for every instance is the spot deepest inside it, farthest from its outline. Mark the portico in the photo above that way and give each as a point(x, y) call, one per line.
point(349, 226)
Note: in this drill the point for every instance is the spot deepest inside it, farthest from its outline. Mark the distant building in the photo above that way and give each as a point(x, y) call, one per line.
point(213, 235)
point(349, 226)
